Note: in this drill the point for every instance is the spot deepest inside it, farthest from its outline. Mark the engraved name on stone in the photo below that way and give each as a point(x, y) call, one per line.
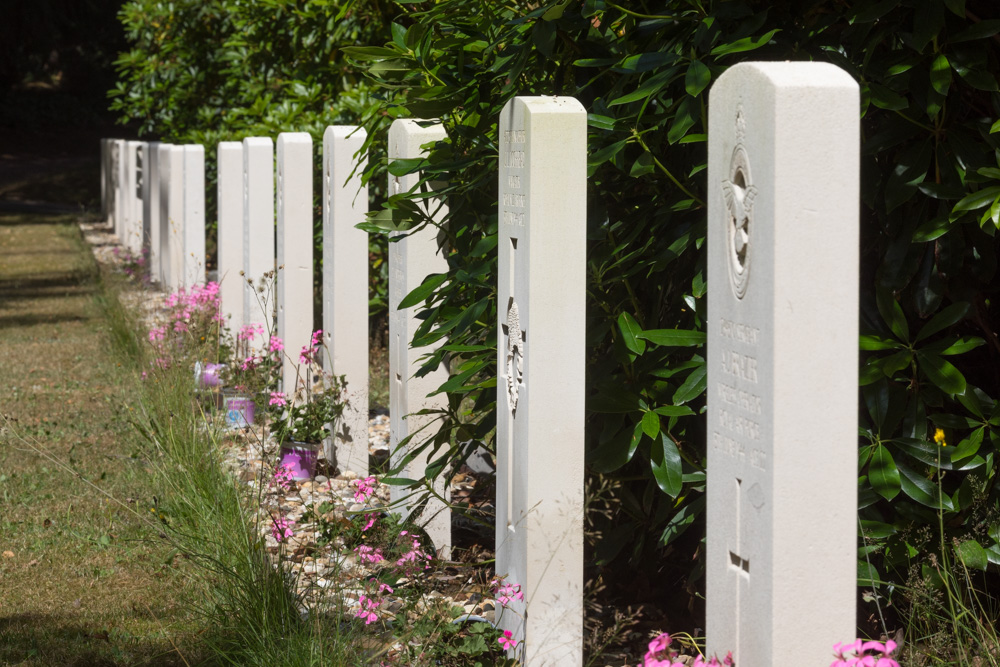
point(512, 204)
point(739, 418)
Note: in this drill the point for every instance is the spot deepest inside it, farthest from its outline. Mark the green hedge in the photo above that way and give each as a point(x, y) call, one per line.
point(930, 211)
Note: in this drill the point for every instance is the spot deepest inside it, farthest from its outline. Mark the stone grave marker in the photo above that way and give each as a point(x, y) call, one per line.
point(782, 357)
point(164, 155)
point(412, 257)
point(129, 198)
point(194, 215)
point(294, 194)
point(120, 189)
point(540, 389)
point(105, 172)
point(258, 231)
point(345, 288)
point(175, 219)
point(230, 232)
point(151, 206)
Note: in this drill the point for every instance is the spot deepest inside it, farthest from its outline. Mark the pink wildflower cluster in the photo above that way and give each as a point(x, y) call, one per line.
point(278, 398)
point(281, 528)
point(369, 555)
point(368, 606)
point(365, 489)
point(248, 331)
point(310, 352)
point(283, 476)
point(506, 592)
point(661, 655)
point(414, 557)
point(864, 654)
point(275, 344)
point(189, 311)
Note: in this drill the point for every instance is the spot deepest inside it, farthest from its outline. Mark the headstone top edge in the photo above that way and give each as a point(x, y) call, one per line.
point(294, 138)
point(231, 144)
point(258, 141)
point(193, 148)
point(537, 104)
point(413, 127)
point(345, 132)
point(792, 74)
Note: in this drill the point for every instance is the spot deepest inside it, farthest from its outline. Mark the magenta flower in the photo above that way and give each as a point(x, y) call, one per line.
point(367, 609)
point(370, 523)
point(275, 344)
point(369, 555)
point(507, 641)
point(280, 528)
point(277, 398)
point(366, 487)
point(283, 476)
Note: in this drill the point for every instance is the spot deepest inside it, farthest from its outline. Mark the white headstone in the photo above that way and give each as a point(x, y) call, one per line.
point(151, 206)
point(129, 198)
point(294, 192)
point(138, 239)
point(413, 257)
point(175, 219)
point(782, 362)
point(230, 232)
point(345, 287)
point(164, 157)
point(120, 188)
point(258, 230)
point(105, 162)
point(194, 215)
point(540, 388)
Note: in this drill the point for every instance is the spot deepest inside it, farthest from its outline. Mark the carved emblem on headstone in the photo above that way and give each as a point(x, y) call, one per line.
point(739, 193)
point(515, 355)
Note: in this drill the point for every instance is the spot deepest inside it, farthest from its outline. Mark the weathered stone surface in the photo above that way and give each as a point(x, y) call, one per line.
point(258, 232)
point(294, 252)
point(345, 288)
point(412, 257)
point(540, 388)
point(782, 362)
point(230, 230)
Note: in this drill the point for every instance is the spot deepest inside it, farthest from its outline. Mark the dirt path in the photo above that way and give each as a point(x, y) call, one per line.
point(83, 578)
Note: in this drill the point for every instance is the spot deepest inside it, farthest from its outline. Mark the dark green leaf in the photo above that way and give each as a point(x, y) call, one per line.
point(882, 473)
point(424, 290)
point(630, 329)
point(665, 463)
point(673, 337)
point(697, 78)
point(947, 378)
point(745, 44)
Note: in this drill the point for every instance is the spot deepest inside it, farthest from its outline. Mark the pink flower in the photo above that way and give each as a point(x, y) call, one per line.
point(277, 398)
point(247, 332)
point(370, 523)
point(369, 555)
point(275, 344)
point(507, 641)
point(366, 487)
point(382, 588)
point(864, 654)
point(280, 528)
point(283, 476)
point(367, 609)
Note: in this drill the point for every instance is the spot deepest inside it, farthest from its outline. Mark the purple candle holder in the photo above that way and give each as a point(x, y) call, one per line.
point(239, 410)
point(300, 457)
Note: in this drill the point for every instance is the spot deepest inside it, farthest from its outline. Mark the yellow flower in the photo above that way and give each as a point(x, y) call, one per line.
point(939, 437)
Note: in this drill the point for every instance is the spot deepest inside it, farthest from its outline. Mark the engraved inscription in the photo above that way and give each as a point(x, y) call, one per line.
point(739, 408)
point(512, 203)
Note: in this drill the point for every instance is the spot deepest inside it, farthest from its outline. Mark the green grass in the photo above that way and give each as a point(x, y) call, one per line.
point(85, 580)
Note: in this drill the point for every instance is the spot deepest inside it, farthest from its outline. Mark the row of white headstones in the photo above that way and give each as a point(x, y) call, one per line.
point(783, 146)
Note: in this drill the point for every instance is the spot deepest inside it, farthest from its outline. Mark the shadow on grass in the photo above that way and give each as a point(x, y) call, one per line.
point(54, 639)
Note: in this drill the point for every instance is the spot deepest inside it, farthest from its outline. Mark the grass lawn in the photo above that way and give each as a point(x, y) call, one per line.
point(85, 578)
